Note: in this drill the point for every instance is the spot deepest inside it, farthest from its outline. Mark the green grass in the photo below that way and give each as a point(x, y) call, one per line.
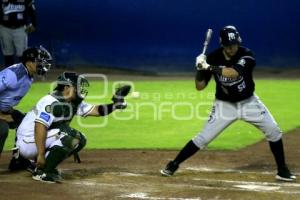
point(148, 121)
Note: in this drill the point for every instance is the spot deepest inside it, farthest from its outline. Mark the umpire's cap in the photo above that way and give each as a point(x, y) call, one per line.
point(230, 36)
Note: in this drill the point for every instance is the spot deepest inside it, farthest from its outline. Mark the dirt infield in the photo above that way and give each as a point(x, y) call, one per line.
point(134, 174)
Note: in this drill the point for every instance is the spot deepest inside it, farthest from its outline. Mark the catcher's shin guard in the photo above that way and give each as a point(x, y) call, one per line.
point(73, 141)
point(56, 155)
point(81, 144)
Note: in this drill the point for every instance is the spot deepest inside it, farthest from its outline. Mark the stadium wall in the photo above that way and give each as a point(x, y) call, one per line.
point(164, 35)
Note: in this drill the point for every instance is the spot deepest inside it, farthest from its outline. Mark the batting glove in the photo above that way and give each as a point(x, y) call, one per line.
point(201, 62)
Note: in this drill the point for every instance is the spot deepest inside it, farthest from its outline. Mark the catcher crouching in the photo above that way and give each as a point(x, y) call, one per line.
point(45, 135)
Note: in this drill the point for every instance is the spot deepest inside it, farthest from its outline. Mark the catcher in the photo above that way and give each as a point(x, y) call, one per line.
point(45, 135)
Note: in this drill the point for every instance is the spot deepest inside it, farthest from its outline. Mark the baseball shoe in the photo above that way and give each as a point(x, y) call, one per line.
point(56, 175)
point(285, 175)
point(18, 162)
point(170, 169)
point(31, 168)
point(39, 175)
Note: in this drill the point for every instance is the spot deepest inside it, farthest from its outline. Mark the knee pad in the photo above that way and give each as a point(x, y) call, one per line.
point(69, 142)
point(73, 140)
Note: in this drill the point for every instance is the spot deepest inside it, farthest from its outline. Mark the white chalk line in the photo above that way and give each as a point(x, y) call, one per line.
point(124, 174)
point(261, 187)
point(286, 184)
point(205, 169)
point(143, 195)
point(257, 186)
point(235, 185)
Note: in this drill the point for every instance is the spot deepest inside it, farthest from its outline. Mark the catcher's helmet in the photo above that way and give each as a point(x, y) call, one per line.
point(73, 79)
point(39, 55)
point(230, 36)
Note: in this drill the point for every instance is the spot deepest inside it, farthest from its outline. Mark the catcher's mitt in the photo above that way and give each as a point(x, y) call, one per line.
point(119, 95)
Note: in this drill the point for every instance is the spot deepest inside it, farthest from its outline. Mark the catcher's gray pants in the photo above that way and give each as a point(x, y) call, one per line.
point(13, 41)
point(223, 113)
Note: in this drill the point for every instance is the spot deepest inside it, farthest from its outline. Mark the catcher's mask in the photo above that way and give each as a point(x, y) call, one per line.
point(40, 56)
point(79, 82)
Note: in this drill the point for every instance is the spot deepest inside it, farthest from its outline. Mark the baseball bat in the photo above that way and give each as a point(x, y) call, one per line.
point(207, 39)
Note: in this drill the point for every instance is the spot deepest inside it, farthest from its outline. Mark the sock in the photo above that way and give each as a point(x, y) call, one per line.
point(188, 150)
point(278, 153)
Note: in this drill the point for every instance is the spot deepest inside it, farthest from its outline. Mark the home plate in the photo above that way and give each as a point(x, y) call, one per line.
point(258, 187)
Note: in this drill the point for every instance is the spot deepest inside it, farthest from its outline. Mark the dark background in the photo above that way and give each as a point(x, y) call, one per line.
point(164, 35)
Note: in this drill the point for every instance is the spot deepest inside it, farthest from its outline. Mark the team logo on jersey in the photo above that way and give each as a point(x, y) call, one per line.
point(13, 8)
point(225, 81)
point(44, 116)
point(48, 108)
point(231, 36)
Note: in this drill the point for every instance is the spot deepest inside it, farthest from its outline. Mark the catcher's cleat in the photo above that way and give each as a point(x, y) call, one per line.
point(40, 175)
point(170, 169)
point(18, 162)
point(285, 175)
point(31, 168)
point(55, 173)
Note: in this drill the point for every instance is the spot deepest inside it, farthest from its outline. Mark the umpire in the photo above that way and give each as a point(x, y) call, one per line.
point(15, 81)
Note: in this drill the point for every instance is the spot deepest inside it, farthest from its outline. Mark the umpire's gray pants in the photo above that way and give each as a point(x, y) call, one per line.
point(223, 113)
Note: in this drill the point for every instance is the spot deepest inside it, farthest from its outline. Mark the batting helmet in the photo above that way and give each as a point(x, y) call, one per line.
point(73, 79)
point(39, 55)
point(230, 36)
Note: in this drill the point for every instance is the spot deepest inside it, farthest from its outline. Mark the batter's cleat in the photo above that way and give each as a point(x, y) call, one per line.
point(170, 169)
point(285, 175)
